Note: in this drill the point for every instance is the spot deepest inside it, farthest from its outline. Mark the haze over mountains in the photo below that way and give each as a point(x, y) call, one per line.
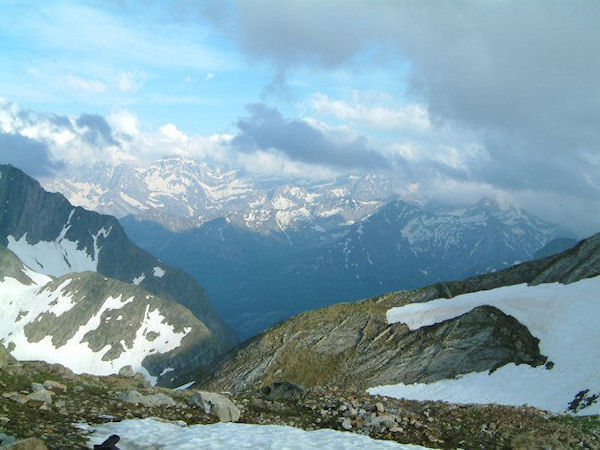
point(268, 249)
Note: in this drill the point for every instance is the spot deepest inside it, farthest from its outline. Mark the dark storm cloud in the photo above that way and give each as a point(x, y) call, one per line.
point(524, 75)
point(97, 130)
point(28, 155)
point(267, 129)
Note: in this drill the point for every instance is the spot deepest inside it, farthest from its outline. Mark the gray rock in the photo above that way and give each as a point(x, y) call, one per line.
point(37, 387)
point(54, 386)
point(26, 444)
point(151, 401)
point(283, 390)
point(126, 371)
point(217, 405)
point(347, 424)
point(42, 395)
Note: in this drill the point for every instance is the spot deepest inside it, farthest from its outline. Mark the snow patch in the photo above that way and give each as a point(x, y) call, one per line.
point(563, 317)
point(137, 280)
point(153, 433)
point(158, 272)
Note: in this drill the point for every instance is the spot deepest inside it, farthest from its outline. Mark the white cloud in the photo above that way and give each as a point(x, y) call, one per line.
point(413, 116)
point(85, 84)
point(125, 122)
point(172, 133)
point(131, 81)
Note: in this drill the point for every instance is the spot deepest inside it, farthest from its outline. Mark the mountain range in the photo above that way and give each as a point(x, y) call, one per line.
point(258, 279)
point(266, 249)
point(55, 239)
point(75, 290)
point(183, 193)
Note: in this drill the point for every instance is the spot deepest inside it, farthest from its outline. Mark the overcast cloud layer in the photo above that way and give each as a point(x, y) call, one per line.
point(459, 98)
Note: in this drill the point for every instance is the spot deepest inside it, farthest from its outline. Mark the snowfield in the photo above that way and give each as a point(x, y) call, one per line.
point(22, 304)
point(563, 317)
point(149, 434)
point(58, 257)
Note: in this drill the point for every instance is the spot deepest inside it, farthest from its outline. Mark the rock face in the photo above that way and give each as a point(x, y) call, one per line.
point(55, 238)
point(353, 344)
point(217, 405)
point(97, 324)
point(5, 356)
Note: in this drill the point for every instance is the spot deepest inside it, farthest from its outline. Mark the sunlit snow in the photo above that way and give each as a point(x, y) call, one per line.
point(158, 272)
point(57, 257)
point(22, 304)
point(151, 433)
point(563, 317)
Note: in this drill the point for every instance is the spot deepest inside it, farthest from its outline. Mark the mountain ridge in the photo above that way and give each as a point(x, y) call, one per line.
point(354, 345)
point(257, 279)
point(52, 236)
point(97, 325)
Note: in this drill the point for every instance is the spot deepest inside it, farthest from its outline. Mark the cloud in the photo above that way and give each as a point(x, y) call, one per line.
point(132, 81)
point(412, 117)
point(95, 130)
point(28, 155)
point(267, 130)
point(521, 75)
point(85, 84)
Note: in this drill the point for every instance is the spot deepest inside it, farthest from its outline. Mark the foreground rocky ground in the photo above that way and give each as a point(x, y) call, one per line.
point(47, 401)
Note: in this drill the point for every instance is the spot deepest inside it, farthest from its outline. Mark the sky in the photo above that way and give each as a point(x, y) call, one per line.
point(462, 99)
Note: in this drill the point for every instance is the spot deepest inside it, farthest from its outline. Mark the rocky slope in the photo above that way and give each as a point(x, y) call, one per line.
point(55, 238)
point(257, 280)
point(355, 345)
point(97, 325)
point(47, 402)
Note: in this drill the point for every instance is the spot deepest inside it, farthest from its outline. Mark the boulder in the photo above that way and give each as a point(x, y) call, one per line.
point(42, 395)
point(217, 405)
point(283, 390)
point(54, 386)
point(126, 371)
point(151, 401)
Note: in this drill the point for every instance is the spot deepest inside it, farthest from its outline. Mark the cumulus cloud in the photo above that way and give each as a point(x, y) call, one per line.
point(28, 155)
point(265, 129)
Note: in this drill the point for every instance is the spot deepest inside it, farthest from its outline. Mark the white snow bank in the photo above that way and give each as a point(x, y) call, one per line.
point(563, 317)
point(158, 272)
point(151, 434)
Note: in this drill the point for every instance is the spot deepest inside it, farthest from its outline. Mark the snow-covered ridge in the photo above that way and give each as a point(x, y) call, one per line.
point(563, 317)
point(25, 306)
